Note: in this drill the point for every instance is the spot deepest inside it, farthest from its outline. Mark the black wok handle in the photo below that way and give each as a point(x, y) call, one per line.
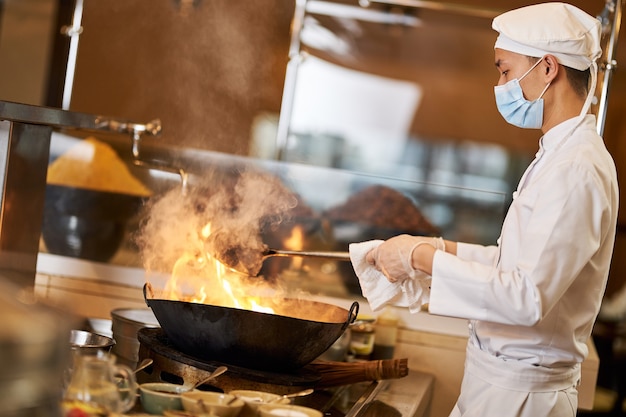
point(352, 314)
point(147, 287)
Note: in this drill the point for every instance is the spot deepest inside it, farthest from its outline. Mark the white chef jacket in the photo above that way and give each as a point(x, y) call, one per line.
point(535, 296)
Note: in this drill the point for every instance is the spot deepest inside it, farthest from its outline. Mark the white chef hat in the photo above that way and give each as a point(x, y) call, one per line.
point(558, 29)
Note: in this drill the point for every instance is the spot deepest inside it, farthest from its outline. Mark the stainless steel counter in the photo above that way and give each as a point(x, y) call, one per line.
point(407, 397)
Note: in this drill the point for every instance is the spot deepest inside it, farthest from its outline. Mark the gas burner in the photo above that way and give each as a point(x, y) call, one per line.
point(171, 365)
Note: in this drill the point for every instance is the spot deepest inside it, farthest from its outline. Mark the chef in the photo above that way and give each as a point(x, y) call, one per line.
point(532, 298)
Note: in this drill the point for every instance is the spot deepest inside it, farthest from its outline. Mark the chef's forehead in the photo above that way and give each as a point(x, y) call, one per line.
point(559, 29)
point(504, 57)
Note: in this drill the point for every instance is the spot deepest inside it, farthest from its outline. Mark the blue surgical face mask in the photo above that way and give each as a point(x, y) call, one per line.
point(515, 109)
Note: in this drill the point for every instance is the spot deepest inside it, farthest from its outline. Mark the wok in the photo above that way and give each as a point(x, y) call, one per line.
point(273, 342)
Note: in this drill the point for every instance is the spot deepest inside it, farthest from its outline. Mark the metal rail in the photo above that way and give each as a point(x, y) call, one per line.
point(62, 119)
point(368, 396)
point(73, 31)
point(609, 64)
point(291, 75)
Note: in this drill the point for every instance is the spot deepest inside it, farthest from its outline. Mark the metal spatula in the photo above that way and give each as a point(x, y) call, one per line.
point(251, 263)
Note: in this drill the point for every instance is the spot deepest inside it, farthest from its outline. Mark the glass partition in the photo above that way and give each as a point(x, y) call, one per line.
point(335, 207)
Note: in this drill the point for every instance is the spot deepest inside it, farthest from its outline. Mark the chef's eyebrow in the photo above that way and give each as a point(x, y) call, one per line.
point(498, 63)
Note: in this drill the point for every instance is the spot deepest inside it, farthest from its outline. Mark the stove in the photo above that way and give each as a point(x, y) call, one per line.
point(171, 365)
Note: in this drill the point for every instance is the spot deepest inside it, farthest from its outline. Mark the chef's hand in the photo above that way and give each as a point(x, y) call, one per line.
point(393, 257)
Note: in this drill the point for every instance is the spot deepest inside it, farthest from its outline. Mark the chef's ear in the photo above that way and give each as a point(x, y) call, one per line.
point(550, 67)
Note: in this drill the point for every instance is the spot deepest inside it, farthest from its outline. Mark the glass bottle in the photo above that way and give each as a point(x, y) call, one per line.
point(386, 334)
point(362, 338)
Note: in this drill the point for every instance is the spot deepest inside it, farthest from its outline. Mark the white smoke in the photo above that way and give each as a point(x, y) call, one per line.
point(237, 205)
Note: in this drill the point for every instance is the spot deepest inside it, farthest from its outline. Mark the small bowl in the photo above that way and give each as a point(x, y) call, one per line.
point(253, 399)
point(183, 413)
point(156, 397)
point(222, 405)
point(288, 410)
point(90, 343)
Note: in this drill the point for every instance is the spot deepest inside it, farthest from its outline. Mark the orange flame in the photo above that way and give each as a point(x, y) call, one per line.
point(198, 277)
point(296, 239)
point(295, 242)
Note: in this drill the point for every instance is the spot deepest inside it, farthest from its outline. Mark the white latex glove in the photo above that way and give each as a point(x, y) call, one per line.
point(393, 257)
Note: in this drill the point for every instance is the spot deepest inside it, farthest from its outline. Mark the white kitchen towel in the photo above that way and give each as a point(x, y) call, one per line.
point(376, 288)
